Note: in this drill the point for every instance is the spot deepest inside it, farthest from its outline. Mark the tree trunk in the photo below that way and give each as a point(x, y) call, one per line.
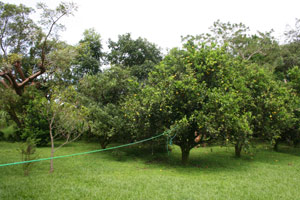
point(103, 145)
point(14, 117)
point(185, 152)
point(295, 143)
point(276, 145)
point(238, 148)
point(104, 142)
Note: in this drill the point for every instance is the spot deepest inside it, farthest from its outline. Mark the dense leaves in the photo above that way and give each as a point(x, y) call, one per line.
point(17, 29)
point(90, 57)
point(102, 94)
point(138, 55)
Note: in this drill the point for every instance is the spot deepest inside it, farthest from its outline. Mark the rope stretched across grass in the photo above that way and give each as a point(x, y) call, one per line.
point(88, 152)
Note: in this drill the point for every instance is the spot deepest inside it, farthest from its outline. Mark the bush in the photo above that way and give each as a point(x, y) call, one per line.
point(9, 133)
point(27, 151)
point(35, 123)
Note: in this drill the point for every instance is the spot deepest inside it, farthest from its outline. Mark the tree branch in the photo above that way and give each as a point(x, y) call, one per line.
point(8, 79)
point(66, 142)
point(30, 78)
point(14, 116)
point(5, 85)
point(252, 54)
point(13, 81)
point(46, 38)
point(1, 39)
point(17, 66)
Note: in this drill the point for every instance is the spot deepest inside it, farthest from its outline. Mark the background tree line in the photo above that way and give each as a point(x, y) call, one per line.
point(228, 86)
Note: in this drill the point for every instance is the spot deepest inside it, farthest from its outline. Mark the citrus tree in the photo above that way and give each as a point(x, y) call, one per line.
point(102, 94)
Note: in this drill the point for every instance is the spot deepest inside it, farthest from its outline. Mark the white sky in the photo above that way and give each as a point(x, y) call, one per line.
point(164, 21)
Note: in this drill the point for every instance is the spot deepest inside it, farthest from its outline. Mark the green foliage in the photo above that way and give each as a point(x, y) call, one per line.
point(12, 104)
point(66, 114)
point(139, 56)
point(27, 150)
point(59, 70)
point(29, 111)
point(111, 86)
point(10, 133)
point(218, 88)
point(90, 56)
point(3, 119)
point(177, 92)
point(208, 94)
point(66, 118)
point(17, 29)
point(290, 51)
point(261, 48)
point(107, 123)
point(290, 57)
point(273, 105)
point(22, 40)
point(102, 94)
point(293, 76)
point(35, 121)
point(49, 16)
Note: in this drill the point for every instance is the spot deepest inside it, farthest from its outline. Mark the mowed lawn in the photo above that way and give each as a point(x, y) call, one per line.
point(134, 173)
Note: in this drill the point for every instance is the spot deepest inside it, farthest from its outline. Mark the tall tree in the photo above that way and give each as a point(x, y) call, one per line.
point(16, 28)
point(22, 38)
point(290, 51)
point(204, 92)
point(90, 56)
point(102, 94)
point(293, 33)
point(139, 56)
point(66, 118)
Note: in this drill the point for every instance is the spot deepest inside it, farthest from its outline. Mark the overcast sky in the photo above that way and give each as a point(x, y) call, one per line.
point(164, 21)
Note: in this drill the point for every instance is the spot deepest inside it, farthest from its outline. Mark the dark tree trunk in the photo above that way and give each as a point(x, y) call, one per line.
point(295, 143)
point(19, 123)
point(103, 144)
point(275, 147)
point(15, 118)
point(185, 152)
point(238, 148)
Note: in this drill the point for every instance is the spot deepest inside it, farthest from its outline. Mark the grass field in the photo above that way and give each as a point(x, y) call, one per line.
point(134, 173)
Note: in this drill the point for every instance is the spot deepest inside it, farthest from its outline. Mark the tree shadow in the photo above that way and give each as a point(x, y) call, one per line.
point(210, 159)
point(283, 148)
point(214, 158)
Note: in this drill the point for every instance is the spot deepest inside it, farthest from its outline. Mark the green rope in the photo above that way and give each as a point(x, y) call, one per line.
point(82, 153)
point(169, 142)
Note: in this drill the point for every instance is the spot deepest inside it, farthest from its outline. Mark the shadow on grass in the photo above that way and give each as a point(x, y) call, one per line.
point(218, 159)
point(208, 158)
point(212, 158)
point(289, 150)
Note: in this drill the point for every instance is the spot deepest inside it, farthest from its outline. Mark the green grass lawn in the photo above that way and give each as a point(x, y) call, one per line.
point(134, 173)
